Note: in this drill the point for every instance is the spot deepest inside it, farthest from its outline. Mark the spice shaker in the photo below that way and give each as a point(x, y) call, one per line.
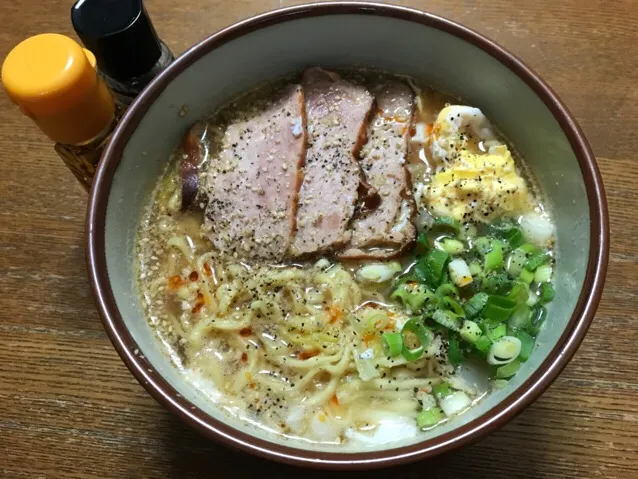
point(54, 82)
point(128, 51)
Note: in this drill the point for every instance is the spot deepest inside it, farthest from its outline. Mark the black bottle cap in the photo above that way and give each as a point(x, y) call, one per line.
point(120, 35)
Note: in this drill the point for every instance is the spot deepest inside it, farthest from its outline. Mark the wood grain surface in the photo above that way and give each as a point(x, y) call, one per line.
point(69, 408)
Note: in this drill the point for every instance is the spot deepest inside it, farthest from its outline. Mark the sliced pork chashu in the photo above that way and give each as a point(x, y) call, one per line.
point(386, 230)
point(337, 112)
point(253, 183)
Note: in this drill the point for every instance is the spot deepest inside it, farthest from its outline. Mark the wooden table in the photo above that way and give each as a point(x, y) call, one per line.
point(69, 408)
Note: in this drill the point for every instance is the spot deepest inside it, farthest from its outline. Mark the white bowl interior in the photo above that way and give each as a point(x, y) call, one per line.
point(425, 53)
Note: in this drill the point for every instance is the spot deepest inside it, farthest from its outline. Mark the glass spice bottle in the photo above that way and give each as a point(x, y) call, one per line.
point(54, 82)
point(128, 50)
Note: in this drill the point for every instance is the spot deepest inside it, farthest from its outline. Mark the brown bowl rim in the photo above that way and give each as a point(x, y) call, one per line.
point(496, 417)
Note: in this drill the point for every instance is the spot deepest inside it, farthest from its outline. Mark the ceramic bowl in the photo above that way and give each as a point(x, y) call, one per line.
point(443, 54)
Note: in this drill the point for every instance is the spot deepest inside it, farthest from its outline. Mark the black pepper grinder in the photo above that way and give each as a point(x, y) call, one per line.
point(128, 51)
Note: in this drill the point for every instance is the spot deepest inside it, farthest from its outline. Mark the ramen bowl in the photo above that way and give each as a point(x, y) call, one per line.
point(443, 54)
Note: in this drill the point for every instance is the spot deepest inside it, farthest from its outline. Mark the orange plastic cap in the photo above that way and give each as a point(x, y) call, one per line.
point(54, 81)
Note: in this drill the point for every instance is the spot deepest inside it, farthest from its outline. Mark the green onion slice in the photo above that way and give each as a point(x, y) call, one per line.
point(441, 390)
point(547, 292)
point(498, 308)
point(423, 334)
point(539, 314)
point(447, 318)
point(527, 345)
point(454, 351)
point(452, 305)
point(470, 331)
point(528, 248)
point(514, 237)
point(494, 258)
point(392, 344)
point(508, 370)
point(448, 222)
point(446, 289)
point(535, 261)
point(526, 276)
point(422, 246)
point(520, 319)
point(474, 306)
point(429, 417)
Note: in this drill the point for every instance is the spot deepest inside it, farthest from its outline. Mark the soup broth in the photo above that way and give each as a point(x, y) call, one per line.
point(364, 338)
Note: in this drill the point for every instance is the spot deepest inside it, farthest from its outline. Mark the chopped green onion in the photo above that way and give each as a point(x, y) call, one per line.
point(494, 258)
point(508, 370)
point(498, 308)
point(539, 314)
point(392, 344)
point(459, 272)
point(475, 268)
point(423, 334)
point(483, 344)
point(514, 237)
point(496, 283)
point(526, 276)
point(446, 289)
point(452, 305)
point(448, 222)
point(520, 319)
point(429, 417)
point(547, 292)
point(452, 246)
point(441, 390)
point(454, 352)
point(483, 245)
point(532, 299)
point(535, 261)
point(543, 274)
point(430, 269)
point(515, 262)
point(528, 248)
point(422, 246)
point(527, 345)
point(447, 319)
point(412, 296)
point(470, 331)
point(519, 293)
point(474, 306)
point(494, 334)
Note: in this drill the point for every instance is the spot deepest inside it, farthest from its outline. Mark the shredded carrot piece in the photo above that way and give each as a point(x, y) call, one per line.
point(334, 400)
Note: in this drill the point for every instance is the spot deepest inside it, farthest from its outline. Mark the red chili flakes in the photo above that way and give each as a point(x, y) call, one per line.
point(334, 314)
point(197, 308)
point(245, 332)
point(175, 282)
point(193, 276)
point(207, 270)
point(244, 357)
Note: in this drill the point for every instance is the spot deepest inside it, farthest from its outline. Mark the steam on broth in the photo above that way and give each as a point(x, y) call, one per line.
point(328, 256)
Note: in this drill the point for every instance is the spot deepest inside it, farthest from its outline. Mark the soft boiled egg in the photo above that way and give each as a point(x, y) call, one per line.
point(475, 178)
